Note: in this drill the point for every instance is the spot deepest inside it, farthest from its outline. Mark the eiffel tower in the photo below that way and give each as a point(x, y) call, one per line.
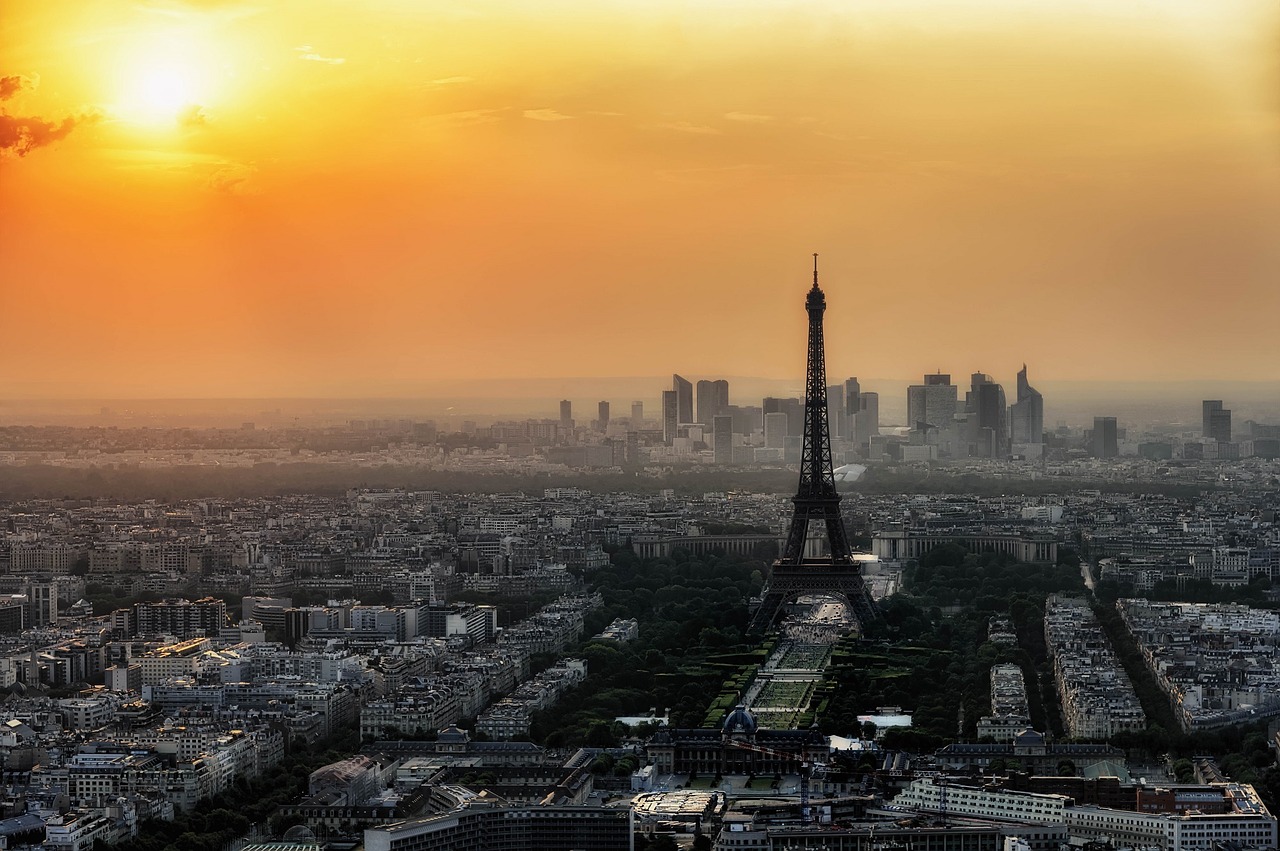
point(793, 575)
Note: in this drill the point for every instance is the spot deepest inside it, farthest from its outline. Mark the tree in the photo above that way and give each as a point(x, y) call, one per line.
point(601, 735)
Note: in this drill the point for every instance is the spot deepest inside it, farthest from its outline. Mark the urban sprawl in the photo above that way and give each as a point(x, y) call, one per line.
point(157, 655)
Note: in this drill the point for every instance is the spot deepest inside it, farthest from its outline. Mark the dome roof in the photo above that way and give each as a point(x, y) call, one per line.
point(740, 720)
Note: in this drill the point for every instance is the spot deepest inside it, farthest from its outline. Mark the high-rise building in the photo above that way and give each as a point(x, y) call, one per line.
point(1026, 416)
point(852, 392)
point(932, 405)
point(988, 417)
point(1216, 421)
point(670, 416)
point(684, 399)
point(793, 408)
point(637, 414)
point(566, 415)
point(867, 421)
point(1207, 407)
point(722, 438)
point(836, 416)
point(603, 415)
point(746, 418)
point(775, 430)
point(1105, 441)
point(713, 398)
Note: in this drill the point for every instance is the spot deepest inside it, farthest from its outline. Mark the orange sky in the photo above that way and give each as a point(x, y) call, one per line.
point(312, 197)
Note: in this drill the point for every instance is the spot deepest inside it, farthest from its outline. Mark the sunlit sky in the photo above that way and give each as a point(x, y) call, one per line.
point(314, 197)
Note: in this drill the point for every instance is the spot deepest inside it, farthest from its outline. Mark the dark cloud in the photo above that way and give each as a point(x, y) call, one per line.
point(11, 84)
point(21, 134)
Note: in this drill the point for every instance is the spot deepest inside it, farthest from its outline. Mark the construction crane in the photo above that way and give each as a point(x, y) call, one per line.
point(807, 769)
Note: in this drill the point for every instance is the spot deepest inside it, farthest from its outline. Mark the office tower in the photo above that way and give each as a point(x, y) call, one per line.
point(1216, 421)
point(816, 500)
point(566, 414)
point(835, 411)
point(670, 416)
point(1105, 441)
point(775, 430)
point(705, 394)
point(793, 408)
point(988, 417)
point(684, 399)
point(713, 399)
point(747, 419)
point(851, 391)
point(722, 438)
point(1208, 407)
point(637, 414)
point(603, 415)
point(1026, 416)
point(867, 421)
point(932, 405)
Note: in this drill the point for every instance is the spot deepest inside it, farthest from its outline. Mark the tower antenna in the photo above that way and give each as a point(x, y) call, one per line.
point(815, 268)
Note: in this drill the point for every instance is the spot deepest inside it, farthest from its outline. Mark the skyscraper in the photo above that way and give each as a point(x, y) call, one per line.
point(775, 430)
point(1216, 421)
point(603, 416)
point(746, 418)
point(932, 405)
point(566, 414)
point(684, 399)
point(867, 421)
point(837, 419)
point(1026, 416)
point(713, 399)
point(989, 416)
point(670, 416)
point(637, 414)
point(1105, 442)
point(793, 408)
point(722, 438)
point(851, 392)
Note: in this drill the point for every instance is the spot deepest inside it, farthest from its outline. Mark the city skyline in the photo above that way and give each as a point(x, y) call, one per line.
point(237, 200)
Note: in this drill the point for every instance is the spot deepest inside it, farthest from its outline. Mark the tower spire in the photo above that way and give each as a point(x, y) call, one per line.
point(815, 270)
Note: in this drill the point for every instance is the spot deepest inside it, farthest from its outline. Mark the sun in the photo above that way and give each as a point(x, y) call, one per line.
point(159, 92)
point(158, 81)
point(163, 91)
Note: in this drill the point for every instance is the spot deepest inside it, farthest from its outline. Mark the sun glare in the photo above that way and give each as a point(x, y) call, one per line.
point(160, 93)
point(159, 88)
